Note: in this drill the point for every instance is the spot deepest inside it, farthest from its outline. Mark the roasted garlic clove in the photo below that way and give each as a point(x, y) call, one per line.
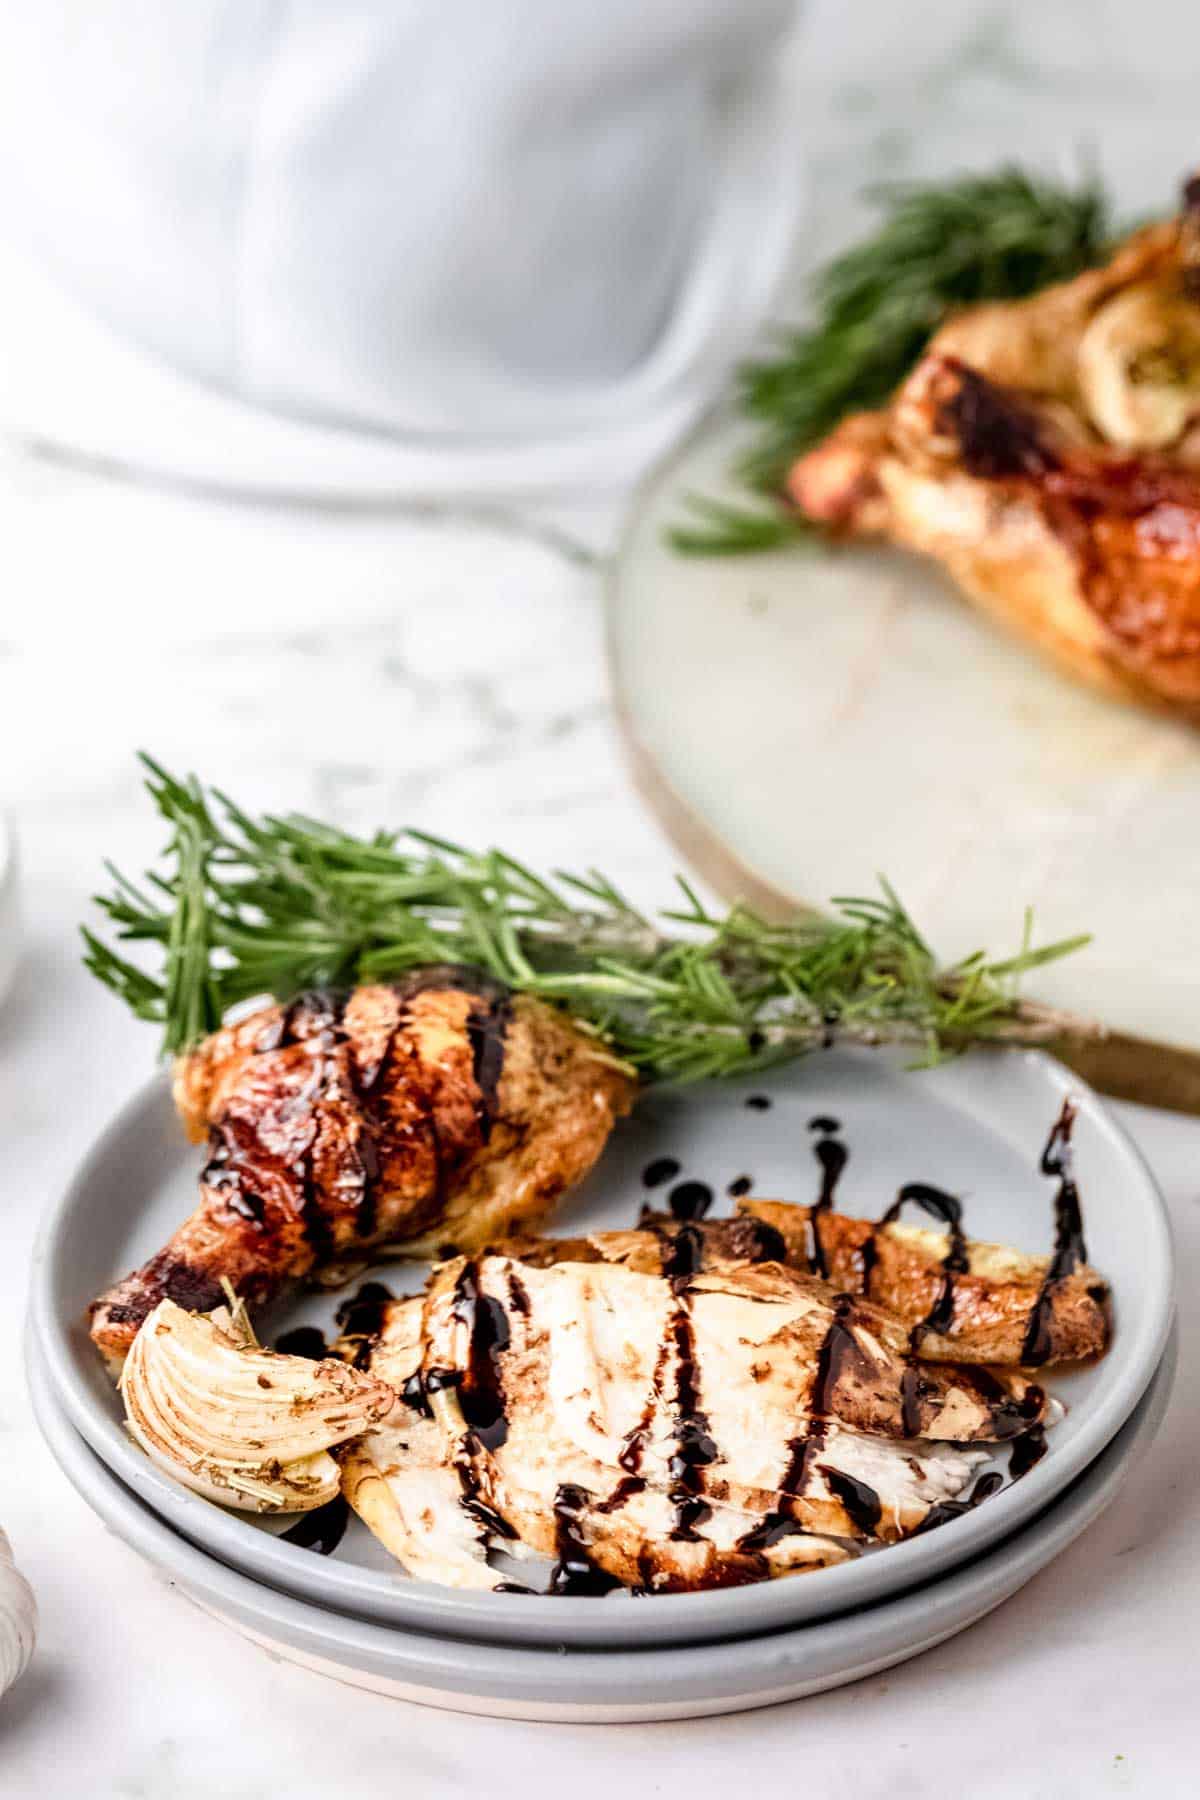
point(242, 1425)
point(18, 1619)
point(1139, 366)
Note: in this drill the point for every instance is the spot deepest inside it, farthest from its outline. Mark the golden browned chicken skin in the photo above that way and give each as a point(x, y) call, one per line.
point(439, 1112)
point(985, 1312)
point(1047, 453)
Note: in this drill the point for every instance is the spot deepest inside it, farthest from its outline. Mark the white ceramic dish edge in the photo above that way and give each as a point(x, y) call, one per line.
point(610, 1687)
point(689, 1617)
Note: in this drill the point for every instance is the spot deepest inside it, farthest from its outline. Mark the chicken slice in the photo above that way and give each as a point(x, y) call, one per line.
point(697, 1428)
point(991, 1301)
point(401, 1477)
point(989, 1304)
point(439, 1111)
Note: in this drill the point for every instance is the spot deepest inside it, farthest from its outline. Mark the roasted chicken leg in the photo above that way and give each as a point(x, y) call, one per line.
point(440, 1112)
point(1047, 453)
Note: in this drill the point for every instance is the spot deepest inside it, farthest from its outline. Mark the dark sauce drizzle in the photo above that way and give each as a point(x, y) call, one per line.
point(956, 1261)
point(633, 1449)
point(862, 1503)
point(832, 1155)
point(362, 1316)
point(694, 1445)
point(487, 1026)
point(690, 1200)
point(683, 1253)
point(626, 1488)
point(575, 1573)
point(741, 1184)
point(1027, 1450)
point(481, 1390)
point(662, 1169)
point(303, 1340)
point(1069, 1248)
point(322, 1529)
point(363, 1313)
point(518, 1294)
point(945, 1510)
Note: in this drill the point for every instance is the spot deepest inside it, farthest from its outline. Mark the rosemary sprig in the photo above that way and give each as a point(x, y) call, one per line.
point(246, 907)
point(875, 307)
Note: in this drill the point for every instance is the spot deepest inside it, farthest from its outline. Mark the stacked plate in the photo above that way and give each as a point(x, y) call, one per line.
point(975, 1127)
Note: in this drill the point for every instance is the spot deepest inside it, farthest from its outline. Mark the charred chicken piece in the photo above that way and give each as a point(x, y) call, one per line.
point(441, 1111)
point(996, 1305)
point(1047, 453)
point(664, 1433)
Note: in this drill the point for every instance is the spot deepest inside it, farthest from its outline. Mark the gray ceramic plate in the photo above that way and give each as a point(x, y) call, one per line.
point(975, 1126)
point(613, 1686)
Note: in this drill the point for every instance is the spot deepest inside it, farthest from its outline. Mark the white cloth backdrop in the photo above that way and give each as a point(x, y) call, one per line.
point(501, 231)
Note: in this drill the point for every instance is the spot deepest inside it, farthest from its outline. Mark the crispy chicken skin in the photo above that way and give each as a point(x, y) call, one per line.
point(992, 1299)
point(1047, 453)
point(899, 1267)
point(662, 1431)
point(440, 1111)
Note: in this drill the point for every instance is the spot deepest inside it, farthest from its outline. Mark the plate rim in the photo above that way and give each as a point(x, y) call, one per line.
point(511, 1618)
point(932, 1611)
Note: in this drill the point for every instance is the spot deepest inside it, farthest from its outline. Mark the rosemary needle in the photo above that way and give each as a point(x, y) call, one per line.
point(248, 907)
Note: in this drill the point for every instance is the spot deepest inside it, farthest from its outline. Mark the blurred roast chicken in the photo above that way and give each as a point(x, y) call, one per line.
point(440, 1112)
point(1047, 453)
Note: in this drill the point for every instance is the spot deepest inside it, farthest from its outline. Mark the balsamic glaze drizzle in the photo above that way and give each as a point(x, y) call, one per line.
point(363, 1313)
point(303, 1340)
point(1026, 1451)
point(940, 1317)
point(690, 1200)
point(481, 1391)
point(741, 1184)
point(361, 1317)
point(863, 1506)
point(694, 1445)
point(487, 1026)
point(945, 1510)
point(683, 1254)
point(575, 1573)
point(832, 1155)
point(663, 1168)
point(861, 1502)
point(322, 1529)
point(1069, 1248)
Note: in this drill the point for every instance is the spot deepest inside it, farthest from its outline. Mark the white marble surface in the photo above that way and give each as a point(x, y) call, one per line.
point(445, 667)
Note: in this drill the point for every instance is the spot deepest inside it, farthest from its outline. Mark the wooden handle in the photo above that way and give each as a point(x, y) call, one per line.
point(1132, 1068)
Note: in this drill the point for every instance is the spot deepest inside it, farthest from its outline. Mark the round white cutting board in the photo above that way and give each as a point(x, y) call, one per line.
point(805, 719)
